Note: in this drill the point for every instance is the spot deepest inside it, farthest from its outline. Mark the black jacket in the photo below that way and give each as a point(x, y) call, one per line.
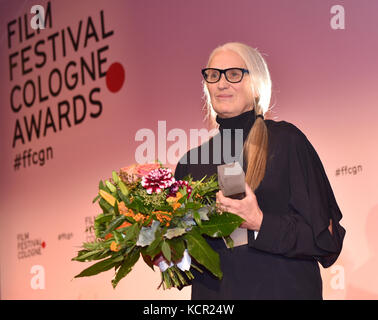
point(297, 202)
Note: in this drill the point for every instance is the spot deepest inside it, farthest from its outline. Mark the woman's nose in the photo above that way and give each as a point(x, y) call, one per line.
point(223, 81)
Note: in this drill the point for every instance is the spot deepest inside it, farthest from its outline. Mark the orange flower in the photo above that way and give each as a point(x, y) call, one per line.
point(124, 225)
point(176, 205)
point(139, 217)
point(114, 246)
point(173, 201)
point(130, 213)
point(108, 236)
point(163, 216)
point(124, 210)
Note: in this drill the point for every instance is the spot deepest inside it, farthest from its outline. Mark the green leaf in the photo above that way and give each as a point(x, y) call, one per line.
point(129, 249)
point(96, 198)
point(178, 246)
point(99, 267)
point(147, 259)
point(124, 198)
point(113, 225)
point(147, 234)
point(229, 241)
point(155, 247)
point(117, 236)
point(147, 221)
point(174, 232)
point(137, 205)
point(105, 206)
point(102, 186)
point(90, 246)
point(200, 250)
point(166, 249)
point(221, 225)
point(116, 210)
point(101, 218)
point(131, 233)
point(197, 217)
point(130, 219)
point(84, 255)
point(203, 213)
point(127, 264)
point(193, 205)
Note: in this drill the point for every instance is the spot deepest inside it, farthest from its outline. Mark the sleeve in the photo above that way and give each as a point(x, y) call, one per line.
point(303, 232)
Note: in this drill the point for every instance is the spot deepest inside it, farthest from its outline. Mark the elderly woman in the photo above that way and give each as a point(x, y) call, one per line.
point(290, 212)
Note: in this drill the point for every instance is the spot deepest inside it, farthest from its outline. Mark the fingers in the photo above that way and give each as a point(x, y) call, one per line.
point(248, 191)
point(221, 208)
point(222, 202)
point(222, 199)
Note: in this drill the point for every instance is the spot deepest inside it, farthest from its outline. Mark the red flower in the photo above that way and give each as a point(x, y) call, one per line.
point(157, 180)
point(179, 184)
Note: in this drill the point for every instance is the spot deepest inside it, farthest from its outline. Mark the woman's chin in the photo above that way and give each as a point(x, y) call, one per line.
point(226, 112)
point(223, 109)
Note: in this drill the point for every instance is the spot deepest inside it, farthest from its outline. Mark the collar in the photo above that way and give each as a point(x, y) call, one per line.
point(243, 121)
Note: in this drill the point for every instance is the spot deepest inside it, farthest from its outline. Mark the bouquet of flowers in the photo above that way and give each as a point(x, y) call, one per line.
point(147, 213)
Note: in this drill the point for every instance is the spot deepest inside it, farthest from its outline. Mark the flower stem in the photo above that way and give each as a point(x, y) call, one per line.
point(173, 277)
point(196, 267)
point(189, 275)
point(170, 280)
point(167, 280)
point(162, 281)
point(179, 275)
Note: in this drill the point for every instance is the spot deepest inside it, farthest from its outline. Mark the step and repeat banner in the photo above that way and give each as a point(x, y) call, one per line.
point(91, 86)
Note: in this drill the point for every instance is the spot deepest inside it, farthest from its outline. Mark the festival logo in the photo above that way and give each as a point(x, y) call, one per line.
point(55, 75)
point(28, 246)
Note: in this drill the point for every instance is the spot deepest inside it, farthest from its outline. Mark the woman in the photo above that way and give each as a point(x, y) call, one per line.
point(291, 215)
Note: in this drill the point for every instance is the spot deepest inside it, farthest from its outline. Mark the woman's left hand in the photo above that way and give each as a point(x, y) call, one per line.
point(247, 208)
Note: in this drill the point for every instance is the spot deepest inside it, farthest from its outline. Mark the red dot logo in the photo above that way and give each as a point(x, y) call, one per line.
point(43, 244)
point(115, 77)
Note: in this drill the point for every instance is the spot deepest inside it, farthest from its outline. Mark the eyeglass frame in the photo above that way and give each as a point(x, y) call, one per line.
point(224, 71)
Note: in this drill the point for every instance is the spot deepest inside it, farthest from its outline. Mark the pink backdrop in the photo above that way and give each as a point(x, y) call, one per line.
point(324, 82)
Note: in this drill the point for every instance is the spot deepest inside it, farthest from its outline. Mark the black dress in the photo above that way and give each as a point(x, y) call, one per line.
point(297, 202)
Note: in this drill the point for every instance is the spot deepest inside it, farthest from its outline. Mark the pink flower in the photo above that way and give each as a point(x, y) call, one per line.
point(157, 180)
point(129, 169)
point(137, 171)
point(144, 169)
point(179, 184)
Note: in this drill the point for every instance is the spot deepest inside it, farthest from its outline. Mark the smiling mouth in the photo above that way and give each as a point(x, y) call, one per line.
point(224, 97)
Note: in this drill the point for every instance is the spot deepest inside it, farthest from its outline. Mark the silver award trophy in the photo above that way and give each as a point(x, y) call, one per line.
point(231, 180)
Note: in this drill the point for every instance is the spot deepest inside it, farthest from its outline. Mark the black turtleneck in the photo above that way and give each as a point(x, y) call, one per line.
point(230, 131)
point(297, 203)
point(242, 121)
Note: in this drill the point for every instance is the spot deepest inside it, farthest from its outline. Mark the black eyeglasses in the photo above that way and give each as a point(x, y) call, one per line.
point(234, 75)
